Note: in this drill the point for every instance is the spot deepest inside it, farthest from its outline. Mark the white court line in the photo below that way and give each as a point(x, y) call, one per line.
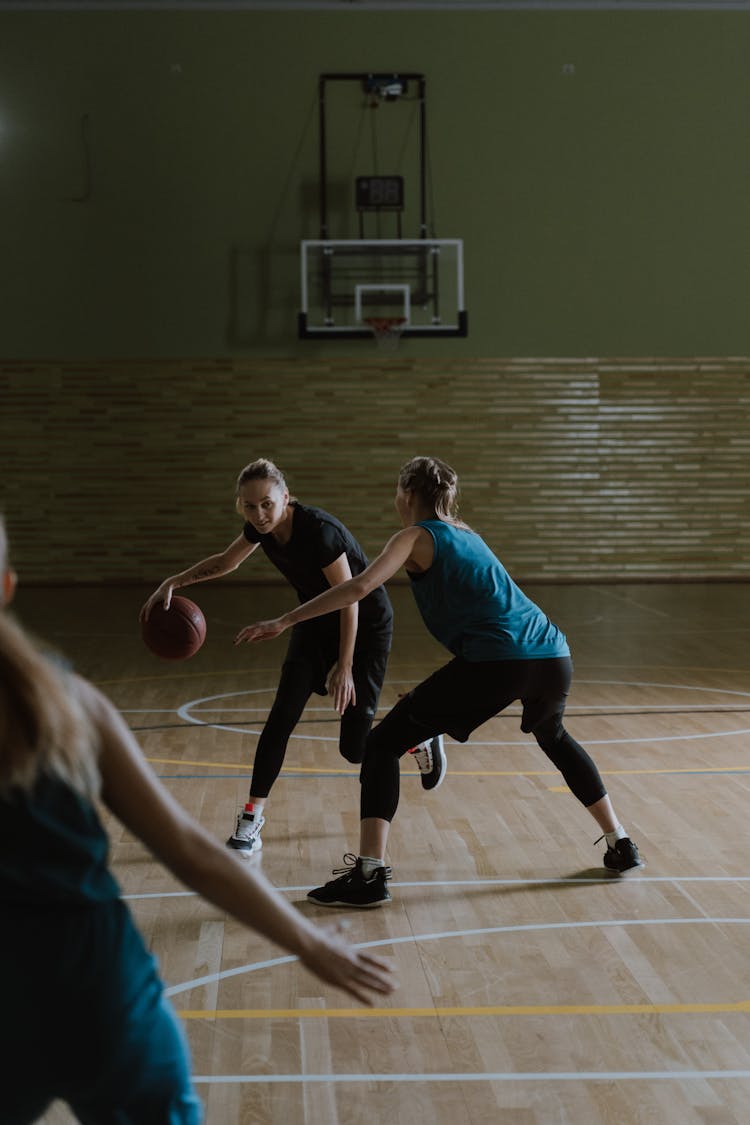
point(630, 600)
point(147, 710)
point(532, 927)
point(673, 687)
point(187, 712)
point(559, 881)
point(522, 1076)
point(605, 741)
point(626, 711)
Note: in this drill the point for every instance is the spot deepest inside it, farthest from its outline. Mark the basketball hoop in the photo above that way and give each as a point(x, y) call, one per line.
point(387, 330)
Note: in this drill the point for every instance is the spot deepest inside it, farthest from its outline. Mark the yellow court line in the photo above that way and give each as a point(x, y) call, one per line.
point(740, 1006)
point(247, 765)
point(451, 773)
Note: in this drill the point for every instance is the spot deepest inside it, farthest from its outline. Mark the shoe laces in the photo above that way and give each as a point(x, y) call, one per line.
point(423, 757)
point(345, 875)
point(353, 866)
point(350, 859)
point(248, 827)
point(610, 847)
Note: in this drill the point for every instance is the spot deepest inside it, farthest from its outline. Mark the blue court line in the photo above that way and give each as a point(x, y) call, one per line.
point(522, 1076)
point(348, 773)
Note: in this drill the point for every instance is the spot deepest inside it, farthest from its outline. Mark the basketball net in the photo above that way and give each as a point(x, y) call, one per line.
point(387, 330)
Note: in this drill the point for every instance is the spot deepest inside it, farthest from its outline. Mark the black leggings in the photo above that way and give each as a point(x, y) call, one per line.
point(305, 671)
point(458, 698)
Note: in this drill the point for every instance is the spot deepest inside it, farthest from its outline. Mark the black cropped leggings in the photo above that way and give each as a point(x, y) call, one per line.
point(458, 698)
point(305, 671)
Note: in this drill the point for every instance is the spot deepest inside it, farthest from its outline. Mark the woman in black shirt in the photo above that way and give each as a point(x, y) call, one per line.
point(344, 653)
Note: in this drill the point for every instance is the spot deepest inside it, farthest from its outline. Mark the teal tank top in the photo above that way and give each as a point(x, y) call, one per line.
point(472, 606)
point(53, 849)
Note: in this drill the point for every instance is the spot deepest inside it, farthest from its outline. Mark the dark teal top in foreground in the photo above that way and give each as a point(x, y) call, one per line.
point(53, 848)
point(470, 604)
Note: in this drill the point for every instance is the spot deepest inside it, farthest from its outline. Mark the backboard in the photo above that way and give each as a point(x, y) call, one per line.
point(346, 282)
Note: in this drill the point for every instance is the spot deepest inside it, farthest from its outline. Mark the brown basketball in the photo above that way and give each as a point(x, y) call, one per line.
point(175, 633)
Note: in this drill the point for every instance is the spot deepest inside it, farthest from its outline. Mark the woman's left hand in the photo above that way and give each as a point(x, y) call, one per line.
point(341, 686)
point(260, 631)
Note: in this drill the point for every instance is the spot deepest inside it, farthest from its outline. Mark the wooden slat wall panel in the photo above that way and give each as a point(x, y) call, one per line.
point(572, 468)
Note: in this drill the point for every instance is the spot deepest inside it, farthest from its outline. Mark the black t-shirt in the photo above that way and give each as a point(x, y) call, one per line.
point(317, 540)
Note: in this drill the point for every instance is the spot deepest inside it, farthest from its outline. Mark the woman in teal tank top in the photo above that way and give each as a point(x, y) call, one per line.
point(504, 648)
point(84, 1014)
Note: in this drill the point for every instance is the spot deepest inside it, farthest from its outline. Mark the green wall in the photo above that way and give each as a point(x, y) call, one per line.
point(604, 211)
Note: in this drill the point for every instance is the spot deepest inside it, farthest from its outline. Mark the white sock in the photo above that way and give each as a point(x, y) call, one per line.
point(369, 864)
point(253, 809)
point(612, 837)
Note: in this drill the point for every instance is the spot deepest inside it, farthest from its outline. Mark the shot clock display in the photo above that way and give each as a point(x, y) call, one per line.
point(380, 193)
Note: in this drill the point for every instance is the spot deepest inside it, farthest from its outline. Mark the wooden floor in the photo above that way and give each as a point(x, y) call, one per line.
point(533, 988)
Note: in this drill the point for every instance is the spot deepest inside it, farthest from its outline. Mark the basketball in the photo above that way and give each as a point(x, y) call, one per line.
point(175, 633)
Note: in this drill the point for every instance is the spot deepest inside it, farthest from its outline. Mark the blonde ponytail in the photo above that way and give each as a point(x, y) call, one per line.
point(44, 728)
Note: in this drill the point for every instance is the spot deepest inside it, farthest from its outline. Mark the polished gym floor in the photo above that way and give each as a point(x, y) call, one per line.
point(533, 987)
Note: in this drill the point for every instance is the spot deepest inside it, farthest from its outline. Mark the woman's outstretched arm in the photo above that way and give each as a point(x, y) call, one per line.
point(394, 555)
point(137, 798)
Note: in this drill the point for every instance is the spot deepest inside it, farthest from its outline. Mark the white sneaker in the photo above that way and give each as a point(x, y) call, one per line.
point(246, 837)
point(430, 757)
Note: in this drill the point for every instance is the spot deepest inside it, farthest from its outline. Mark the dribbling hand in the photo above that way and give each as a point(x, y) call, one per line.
point(162, 594)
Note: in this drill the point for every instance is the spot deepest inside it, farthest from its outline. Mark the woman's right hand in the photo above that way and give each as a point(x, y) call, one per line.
point(355, 971)
point(162, 594)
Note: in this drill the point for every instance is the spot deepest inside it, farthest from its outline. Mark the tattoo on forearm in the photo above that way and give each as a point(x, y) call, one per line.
point(207, 572)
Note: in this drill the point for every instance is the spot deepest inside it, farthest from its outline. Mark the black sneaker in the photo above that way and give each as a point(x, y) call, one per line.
point(352, 888)
point(622, 857)
point(432, 762)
